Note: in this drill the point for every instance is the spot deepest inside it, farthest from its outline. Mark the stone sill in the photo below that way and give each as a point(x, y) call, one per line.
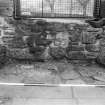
point(62, 20)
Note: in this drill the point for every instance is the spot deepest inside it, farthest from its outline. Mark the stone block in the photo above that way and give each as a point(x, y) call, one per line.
point(62, 38)
point(75, 36)
point(92, 55)
point(16, 42)
point(7, 39)
point(102, 42)
point(19, 54)
point(101, 56)
point(76, 55)
point(3, 56)
point(59, 27)
point(57, 52)
point(77, 48)
point(88, 37)
point(56, 27)
point(70, 27)
point(92, 47)
point(75, 43)
point(9, 31)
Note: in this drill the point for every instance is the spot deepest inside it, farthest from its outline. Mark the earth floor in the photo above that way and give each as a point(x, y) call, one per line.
point(53, 73)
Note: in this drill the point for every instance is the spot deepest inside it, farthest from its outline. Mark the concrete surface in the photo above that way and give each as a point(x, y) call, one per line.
point(22, 95)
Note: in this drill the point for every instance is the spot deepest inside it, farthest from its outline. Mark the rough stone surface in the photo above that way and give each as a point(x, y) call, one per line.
point(63, 36)
point(76, 55)
point(55, 40)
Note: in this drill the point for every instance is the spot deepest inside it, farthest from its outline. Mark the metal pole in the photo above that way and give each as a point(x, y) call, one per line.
point(42, 8)
point(71, 7)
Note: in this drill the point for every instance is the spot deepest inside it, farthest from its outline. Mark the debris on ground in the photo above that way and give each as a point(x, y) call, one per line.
point(53, 73)
point(92, 74)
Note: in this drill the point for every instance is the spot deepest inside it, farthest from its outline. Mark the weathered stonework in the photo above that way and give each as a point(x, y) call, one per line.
point(58, 40)
point(72, 41)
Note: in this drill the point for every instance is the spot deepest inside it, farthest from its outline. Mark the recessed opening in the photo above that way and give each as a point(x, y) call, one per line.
point(54, 8)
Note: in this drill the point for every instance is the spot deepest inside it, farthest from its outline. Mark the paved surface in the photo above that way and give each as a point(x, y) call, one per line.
point(16, 95)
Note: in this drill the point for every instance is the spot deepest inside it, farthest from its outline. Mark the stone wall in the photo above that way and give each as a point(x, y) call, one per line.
point(29, 39)
point(60, 40)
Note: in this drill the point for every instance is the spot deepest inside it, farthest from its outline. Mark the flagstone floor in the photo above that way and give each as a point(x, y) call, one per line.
point(29, 95)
